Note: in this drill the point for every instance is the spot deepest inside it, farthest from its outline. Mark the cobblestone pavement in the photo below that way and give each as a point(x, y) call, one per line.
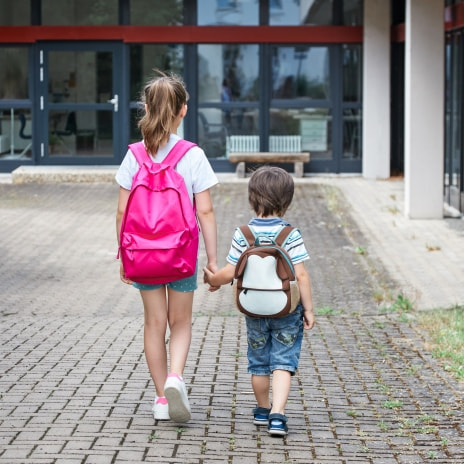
point(75, 387)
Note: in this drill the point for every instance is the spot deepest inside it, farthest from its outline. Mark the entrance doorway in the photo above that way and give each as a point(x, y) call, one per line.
point(80, 95)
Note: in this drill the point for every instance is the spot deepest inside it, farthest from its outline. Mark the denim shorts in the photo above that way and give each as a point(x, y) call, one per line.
point(189, 284)
point(274, 343)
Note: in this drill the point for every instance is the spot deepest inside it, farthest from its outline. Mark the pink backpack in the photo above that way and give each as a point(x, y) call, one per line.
point(159, 231)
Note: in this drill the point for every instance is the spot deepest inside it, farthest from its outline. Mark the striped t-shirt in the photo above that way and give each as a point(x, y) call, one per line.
point(267, 229)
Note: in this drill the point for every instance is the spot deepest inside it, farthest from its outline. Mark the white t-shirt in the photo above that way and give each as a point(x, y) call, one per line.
point(194, 167)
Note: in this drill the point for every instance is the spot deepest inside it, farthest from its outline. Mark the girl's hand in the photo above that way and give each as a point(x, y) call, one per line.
point(123, 276)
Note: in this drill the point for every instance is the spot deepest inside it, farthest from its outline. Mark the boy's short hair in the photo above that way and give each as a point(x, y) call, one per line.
point(270, 191)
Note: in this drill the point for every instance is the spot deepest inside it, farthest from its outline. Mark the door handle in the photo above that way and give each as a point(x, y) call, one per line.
point(114, 101)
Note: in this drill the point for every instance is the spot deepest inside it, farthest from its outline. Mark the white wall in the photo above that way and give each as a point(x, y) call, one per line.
point(424, 109)
point(376, 90)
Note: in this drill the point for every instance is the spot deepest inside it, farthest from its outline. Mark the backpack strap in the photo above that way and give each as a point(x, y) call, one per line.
point(248, 235)
point(140, 152)
point(177, 152)
point(282, 236)
point(173, 157)
point(280, 239)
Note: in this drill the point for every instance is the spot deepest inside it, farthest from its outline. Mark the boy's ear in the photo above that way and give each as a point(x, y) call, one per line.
point(183, 111)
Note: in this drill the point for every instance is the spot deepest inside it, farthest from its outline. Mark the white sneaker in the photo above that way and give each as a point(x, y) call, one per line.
point(160, 409)
point(176, 394)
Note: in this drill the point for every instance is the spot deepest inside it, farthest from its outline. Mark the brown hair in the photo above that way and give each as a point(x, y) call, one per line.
point(270, 191)
point(164, 96)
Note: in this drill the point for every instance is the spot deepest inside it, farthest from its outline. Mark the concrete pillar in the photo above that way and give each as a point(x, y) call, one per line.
point(376, 89)
point(424, 109)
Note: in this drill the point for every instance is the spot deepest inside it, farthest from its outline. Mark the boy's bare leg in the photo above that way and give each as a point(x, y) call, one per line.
point(281, 381)
point(261, 385)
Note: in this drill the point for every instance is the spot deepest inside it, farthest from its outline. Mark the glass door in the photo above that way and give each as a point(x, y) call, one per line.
point(79, 103)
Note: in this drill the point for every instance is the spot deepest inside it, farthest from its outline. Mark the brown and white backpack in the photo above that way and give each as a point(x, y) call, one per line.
point(264, 282)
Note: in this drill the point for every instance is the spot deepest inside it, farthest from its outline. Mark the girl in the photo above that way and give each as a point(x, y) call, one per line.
point(170, 304)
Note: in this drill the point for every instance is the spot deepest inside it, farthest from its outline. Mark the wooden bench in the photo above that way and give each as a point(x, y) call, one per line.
point(269, 157)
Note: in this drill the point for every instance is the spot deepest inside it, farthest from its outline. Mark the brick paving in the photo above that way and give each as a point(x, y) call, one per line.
point(75, 387)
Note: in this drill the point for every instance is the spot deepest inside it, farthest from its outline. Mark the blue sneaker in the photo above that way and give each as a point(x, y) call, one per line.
point(277, 425)
point(261, 416)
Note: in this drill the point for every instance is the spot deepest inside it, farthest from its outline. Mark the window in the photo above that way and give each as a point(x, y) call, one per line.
point(156, 12)
point(352, 73)
point(15, 106)
point(15, 13)
point(228, 94)
point(143, 59)
point(300, 12)
point(352, 12)
point(80, 12)
point(300, 71)
point(230, 12)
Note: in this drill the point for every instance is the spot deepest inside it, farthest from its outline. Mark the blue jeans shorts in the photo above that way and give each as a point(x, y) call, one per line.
point(189, 284)
point(274, 343)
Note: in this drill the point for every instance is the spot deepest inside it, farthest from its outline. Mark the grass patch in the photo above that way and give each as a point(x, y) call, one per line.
point(401, 305)
point(446, 330)
point(325, 311)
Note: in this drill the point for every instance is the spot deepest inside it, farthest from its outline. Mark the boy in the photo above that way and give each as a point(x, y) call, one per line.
point(274, 344)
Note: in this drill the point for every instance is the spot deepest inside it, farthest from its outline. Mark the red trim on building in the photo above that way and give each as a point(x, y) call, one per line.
point(454, 16)
point(398, 33)
point(185, 34)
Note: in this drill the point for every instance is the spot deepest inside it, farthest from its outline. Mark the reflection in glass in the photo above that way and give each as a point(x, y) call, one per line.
point(80, 77)
point(145, 58)
point(454, 110)
point(230, 12)
point(13, 73)
point(352, 73)
point(135, 115)
point(307, 129)
point(80, 12)
point(233, 66)
point(156, 12)
point(212, 133)
point(221, 131)
point(15, 134)
point(17, 13)
point(300, 72)
point(352, 134)
point(83, 132)
point(353, 12)
point(299, 12)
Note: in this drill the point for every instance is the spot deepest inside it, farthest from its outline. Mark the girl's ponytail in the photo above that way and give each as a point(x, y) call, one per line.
point(164, 98)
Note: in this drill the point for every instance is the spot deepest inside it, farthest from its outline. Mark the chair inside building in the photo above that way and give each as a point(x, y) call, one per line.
point(70, 129)
point(22, 135)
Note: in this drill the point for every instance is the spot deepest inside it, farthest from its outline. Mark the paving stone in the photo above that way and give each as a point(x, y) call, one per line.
point(75, 387)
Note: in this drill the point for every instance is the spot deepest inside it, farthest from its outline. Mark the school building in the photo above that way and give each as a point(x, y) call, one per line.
point(373, 87)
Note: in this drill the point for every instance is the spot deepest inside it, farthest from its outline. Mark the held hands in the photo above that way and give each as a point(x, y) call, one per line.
point(207, 276)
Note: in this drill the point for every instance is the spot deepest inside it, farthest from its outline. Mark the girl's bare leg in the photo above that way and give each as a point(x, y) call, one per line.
point(154, 331)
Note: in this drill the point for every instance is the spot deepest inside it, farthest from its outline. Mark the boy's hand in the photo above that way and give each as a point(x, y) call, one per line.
point(207, 275)
point(309, 319)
